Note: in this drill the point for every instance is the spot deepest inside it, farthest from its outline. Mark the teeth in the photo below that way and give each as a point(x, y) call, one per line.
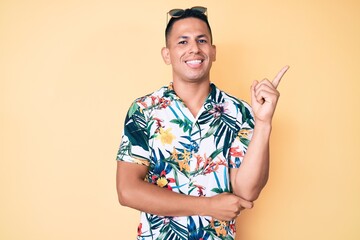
point(194, 61)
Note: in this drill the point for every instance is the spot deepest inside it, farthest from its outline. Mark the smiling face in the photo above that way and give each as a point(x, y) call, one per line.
point(189, 50)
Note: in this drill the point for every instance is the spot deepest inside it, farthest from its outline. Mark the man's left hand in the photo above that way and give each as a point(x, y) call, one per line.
point(264, 97)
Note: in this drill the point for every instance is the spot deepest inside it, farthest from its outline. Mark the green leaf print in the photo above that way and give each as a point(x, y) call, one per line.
point(155, 221)
point(245, 141)
point(133, 108)
point(215, 153)
point(173, 231)
point(185, 124)
point(217, 190)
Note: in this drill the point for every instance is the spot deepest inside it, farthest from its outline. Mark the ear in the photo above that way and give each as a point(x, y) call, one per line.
point(165, 53)
point(213, 53)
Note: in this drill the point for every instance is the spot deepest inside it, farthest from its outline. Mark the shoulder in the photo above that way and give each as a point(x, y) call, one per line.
point(236, 104)
point(149, 101)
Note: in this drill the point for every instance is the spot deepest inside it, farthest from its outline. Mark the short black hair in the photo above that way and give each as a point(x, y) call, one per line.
point(188, 13)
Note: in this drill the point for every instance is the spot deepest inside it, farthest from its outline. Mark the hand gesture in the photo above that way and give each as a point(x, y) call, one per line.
point(227, 206)
point(264, 97)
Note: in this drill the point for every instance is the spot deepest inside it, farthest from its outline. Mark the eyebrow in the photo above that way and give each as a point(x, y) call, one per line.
point(199, 36)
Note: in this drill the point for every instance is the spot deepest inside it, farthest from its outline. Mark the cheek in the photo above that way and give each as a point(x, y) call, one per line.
point(176, 57)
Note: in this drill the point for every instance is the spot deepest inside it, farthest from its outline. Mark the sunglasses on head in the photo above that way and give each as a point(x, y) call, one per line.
point(177, 13)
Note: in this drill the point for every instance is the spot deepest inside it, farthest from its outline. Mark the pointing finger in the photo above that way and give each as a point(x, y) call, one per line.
point(278, 77)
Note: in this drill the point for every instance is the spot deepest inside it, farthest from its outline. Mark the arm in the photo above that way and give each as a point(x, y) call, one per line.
point(134, 192)
point(251, 177)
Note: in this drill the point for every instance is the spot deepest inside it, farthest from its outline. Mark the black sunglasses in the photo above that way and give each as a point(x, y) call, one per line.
point(177, 13)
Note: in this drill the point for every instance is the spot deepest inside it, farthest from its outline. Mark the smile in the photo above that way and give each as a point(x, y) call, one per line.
point(194, 61)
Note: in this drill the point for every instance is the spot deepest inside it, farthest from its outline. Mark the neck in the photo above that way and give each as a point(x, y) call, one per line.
point(193, 94)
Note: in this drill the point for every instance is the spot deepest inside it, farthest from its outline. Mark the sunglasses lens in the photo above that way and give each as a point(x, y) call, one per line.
point(176, 12)
point(199, 9)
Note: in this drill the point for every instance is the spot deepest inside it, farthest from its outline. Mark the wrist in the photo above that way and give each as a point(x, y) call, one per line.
point(203, 206)
point(263, 124)
point(263, 127)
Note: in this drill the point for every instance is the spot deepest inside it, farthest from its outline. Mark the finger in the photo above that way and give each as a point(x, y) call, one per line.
point(266, 96)
point(253, 95)
point(265, 90)
point(278, 77)
point(246, 204)
point(265, 87)
point(265, 82)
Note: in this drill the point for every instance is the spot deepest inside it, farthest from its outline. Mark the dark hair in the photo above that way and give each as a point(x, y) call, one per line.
point(189, 13)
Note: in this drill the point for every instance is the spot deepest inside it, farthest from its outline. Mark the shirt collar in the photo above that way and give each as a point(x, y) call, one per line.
point(169, 92)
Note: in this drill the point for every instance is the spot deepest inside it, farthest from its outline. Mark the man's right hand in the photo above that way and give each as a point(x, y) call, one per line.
point(136, 193)
point(227, 206)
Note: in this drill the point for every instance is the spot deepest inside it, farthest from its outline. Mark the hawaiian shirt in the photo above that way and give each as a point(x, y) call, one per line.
point(186, 154)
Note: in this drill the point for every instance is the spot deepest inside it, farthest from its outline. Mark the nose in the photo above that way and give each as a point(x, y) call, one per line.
point(194, 47)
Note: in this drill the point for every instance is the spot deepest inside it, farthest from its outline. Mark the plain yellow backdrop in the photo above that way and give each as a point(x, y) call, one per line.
point(70, 69)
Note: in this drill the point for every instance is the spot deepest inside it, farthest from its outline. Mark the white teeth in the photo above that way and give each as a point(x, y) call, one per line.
point(194, 61)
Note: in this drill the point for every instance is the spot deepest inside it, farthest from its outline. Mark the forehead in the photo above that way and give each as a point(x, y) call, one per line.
point(189, 26)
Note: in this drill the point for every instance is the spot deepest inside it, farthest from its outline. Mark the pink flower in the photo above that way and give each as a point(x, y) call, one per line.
point(235, 152)
point(219, 109)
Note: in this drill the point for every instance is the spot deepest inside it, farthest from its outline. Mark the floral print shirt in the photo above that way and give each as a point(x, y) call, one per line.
point(186, 154)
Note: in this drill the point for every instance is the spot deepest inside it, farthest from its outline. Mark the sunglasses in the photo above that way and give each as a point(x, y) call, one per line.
point(177, 13)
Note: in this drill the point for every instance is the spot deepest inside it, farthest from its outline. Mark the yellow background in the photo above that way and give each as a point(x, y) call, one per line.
point(69, 70)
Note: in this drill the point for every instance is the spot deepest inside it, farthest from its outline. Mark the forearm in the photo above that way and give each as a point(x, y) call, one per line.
point(253, 173)
point(251, 177)
point(153, 199)
point(134, 192)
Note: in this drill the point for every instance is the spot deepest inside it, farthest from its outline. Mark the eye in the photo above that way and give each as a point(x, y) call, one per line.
point(202, 41)
point(182, 42)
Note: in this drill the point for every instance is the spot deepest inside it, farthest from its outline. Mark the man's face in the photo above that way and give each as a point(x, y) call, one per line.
point(189, 50)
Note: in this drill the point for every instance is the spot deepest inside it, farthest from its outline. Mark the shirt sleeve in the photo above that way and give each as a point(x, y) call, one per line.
point(241, 142)
point(134, 146)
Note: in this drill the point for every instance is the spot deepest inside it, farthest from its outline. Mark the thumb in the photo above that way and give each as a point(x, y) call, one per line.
point(246, 204)
point(252, 89)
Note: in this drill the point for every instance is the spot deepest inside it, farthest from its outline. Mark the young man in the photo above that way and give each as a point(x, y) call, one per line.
point(190, 141)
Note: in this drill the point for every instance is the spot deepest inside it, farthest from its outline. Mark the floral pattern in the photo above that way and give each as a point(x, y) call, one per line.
point(186, 154)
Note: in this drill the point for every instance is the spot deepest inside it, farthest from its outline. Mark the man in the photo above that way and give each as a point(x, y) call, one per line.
point(188, 141)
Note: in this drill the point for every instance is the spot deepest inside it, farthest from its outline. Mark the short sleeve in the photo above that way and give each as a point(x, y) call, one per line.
point(241, 142)
point(134, 146)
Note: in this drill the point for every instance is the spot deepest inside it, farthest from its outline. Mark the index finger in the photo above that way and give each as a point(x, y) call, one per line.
point(278, 77)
